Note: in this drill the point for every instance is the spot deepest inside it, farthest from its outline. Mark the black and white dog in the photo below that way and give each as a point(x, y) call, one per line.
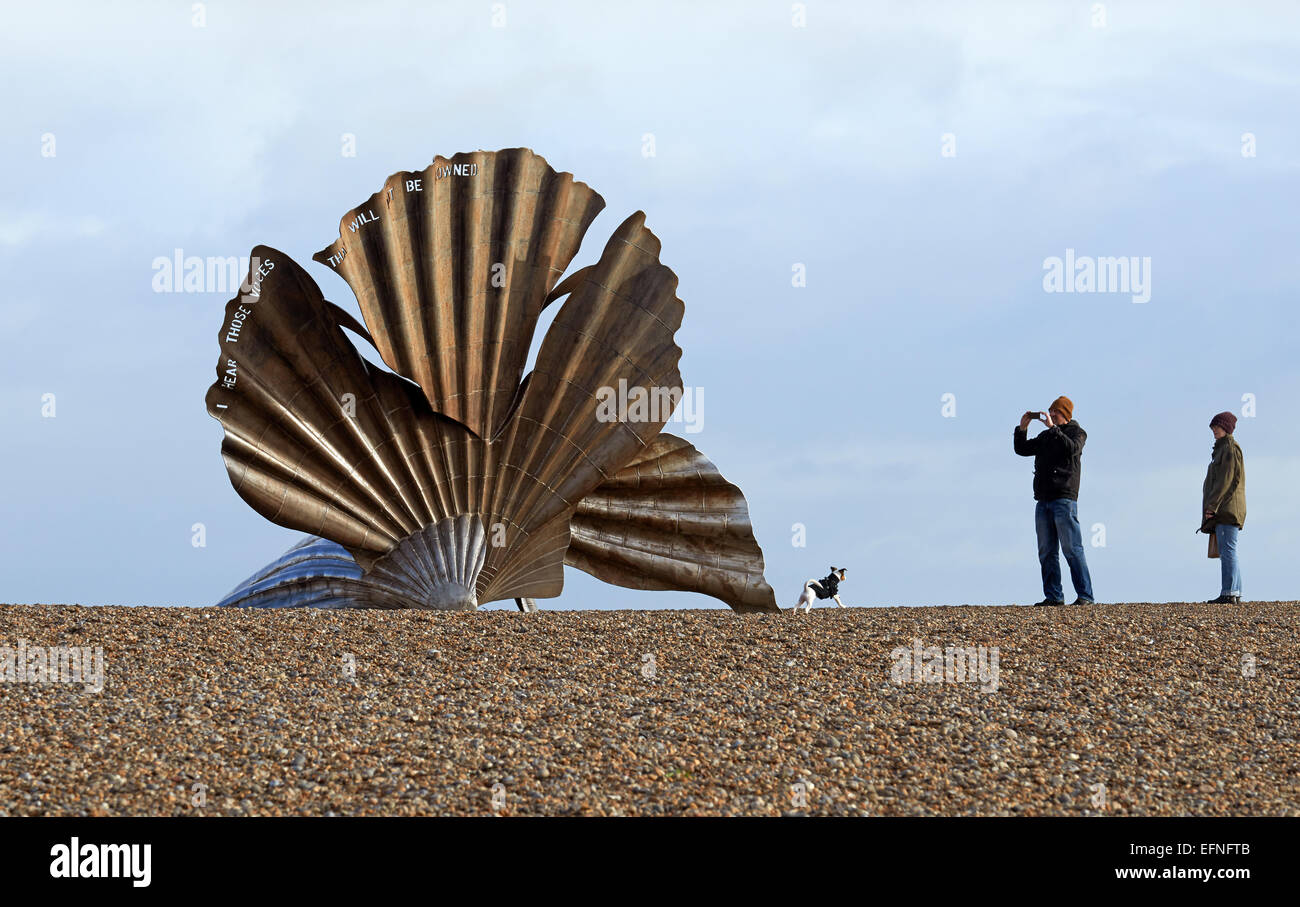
point(824, 588)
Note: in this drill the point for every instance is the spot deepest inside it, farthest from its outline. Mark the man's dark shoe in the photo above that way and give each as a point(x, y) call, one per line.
point(1225, 600)
point(1083, 601)
point(1048, 601)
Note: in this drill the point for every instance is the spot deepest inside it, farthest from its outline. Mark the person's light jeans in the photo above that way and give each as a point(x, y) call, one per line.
point(1057, 525)
point(1229, 563)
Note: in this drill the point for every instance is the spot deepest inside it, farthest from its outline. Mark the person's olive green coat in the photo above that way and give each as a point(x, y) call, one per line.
point(1224, 491)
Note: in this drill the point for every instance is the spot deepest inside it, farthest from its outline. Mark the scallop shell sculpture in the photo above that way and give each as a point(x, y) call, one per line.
point(456, 480)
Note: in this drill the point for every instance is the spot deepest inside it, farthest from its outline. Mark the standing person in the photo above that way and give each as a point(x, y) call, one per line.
point(1223, 502)
point(1058, 458)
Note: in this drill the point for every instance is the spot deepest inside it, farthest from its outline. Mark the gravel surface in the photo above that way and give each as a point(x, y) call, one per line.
point(1138, 709)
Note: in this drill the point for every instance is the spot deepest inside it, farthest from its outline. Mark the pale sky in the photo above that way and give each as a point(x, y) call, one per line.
point(774, 145)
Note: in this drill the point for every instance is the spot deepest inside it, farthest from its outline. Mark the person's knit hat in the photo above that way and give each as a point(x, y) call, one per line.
point(1064, 406)
point(1226, 421)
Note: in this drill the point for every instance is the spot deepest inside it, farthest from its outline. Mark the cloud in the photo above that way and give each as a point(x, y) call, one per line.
point(22, 228)
point(775, 145)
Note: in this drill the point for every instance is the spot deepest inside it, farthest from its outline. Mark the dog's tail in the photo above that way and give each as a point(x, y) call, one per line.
point(803, 595)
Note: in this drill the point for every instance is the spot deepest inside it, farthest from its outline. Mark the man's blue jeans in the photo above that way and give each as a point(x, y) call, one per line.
point(1057, 523)
point(1229, 564)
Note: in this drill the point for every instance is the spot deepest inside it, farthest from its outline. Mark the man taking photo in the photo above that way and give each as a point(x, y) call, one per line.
point(1058, 454)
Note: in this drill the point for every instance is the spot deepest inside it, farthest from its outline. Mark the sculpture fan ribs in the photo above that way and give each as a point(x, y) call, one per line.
point(455, 480)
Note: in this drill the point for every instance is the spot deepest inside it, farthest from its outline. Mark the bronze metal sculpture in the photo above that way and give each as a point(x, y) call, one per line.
point(458, 480)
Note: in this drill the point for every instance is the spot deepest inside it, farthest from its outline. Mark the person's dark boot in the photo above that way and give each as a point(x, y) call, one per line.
point(1225, 599)
point(1083, 601)
point(1048, 601)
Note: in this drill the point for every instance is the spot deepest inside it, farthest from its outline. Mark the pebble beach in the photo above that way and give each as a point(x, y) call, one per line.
point(1133, 709)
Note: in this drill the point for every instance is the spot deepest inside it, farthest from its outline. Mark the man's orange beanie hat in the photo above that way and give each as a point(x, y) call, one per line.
point(1064, 406)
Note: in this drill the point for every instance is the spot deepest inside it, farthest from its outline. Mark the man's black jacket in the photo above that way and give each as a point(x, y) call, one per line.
point(1058, 455)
